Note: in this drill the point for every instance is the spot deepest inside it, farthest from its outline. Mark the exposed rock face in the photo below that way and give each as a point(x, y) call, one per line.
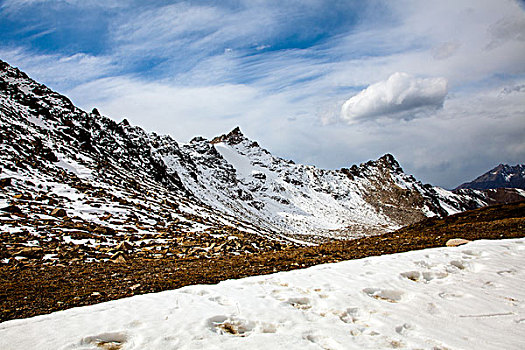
point(118, 183)
point(502, 176)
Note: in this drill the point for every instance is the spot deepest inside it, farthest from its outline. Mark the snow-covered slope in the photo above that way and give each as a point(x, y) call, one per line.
point(468, 297)
point(239, 177)
point(137, 186)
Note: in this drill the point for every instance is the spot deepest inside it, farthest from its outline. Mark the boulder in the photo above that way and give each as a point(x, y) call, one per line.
point(5, 182)
point(103, 230)
point(454, 242)
point(118, 257)
point(124, 246)
point(13, 209)
point(30, 252)
point(58, 212)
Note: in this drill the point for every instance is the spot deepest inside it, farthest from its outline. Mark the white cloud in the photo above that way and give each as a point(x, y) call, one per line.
point(59, 71)
point(209, 76)
point(12, 6)
point(445, 50)
point(393, 97)
point(506, 29)
point(183, 112)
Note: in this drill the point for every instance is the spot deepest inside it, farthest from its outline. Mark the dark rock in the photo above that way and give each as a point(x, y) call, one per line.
point(5, 182)
point(31, 252)
point(233, 137)
point(13, 209)
point(118, 257)
point(124, 246)
point(58, 212)
point(103, 230)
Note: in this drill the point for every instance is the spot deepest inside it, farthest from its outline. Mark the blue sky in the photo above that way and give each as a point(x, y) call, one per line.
point(441, 84)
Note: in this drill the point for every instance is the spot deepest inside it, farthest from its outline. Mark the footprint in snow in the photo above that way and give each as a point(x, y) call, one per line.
point(232, 325)
point(351, 315)
point(508, 272)
point(301, 303)
point(220, 300)
point(450, 296)
point(462, 265)
point(193, 291)
point(404, 328)
point(324, 342)
point(390, 295)
point(225, 325)
point(425, 276)
point(106, 341)
point(472, 253)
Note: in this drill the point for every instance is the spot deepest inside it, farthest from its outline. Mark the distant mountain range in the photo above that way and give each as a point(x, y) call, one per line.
point(79, 185)
point(502, 176)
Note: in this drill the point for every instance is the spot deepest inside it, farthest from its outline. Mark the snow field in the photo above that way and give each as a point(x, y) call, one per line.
point(468, 297)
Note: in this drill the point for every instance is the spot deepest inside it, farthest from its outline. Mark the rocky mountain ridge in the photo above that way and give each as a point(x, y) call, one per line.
point(78, 185)
point(502, 176)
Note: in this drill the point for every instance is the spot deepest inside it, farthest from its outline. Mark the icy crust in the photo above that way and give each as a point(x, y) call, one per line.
point(467, 297)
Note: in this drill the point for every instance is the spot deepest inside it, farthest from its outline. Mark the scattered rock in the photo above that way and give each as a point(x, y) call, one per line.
point(103, 230)
point(118, 257)
point(454, 242)
point(13, 209)
point(5, 182)
point(124, 246)
point(58, 212)
point(30, 252)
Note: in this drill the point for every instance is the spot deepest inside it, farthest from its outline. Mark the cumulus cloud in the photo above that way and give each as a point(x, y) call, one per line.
point(395, 97)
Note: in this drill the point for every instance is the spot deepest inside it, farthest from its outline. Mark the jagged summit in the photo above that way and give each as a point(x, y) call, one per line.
point(389, 161)
point(232, 138)
point(126, 182)
point(502, 176)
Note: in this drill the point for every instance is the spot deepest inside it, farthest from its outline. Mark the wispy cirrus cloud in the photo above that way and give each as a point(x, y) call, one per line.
point(280, 68)
point(12, 6)
point(60, 71)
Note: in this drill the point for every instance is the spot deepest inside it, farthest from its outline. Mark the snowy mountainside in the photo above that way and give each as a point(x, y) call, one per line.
point(307, 203)
point(120, 184)
point(77, 185)
point(502, 176)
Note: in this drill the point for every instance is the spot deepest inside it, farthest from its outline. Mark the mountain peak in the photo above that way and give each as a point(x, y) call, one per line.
point(390, 162)
point(502, 176)
point(232, 138)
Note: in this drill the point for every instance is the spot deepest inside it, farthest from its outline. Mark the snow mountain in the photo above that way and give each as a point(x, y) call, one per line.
point(502, 176)
point(80, 185)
